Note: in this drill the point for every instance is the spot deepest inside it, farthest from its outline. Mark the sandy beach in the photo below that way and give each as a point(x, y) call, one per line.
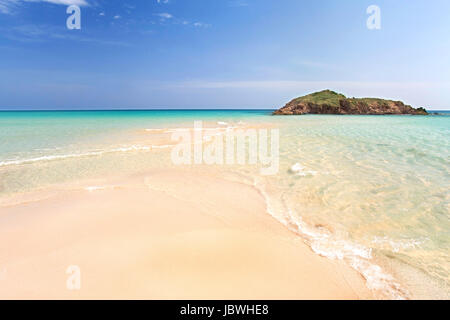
point(172, 234)
point(224, 150)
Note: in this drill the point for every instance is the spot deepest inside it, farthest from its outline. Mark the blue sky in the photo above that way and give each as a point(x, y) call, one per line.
point(220, 53)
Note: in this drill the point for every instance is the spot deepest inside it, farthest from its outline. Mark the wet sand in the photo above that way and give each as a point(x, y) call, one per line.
point(171, 234)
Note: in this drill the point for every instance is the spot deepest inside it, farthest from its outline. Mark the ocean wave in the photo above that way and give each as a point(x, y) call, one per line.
point(223, 127)
point(75, 155)
point(326, 244)
point(378, 280)
point(399, 245)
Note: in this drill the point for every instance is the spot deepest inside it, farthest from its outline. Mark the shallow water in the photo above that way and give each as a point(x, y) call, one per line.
point(372, 190)
point(375, 188)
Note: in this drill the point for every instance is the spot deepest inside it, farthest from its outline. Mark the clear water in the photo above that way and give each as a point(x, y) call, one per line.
point(372, 190)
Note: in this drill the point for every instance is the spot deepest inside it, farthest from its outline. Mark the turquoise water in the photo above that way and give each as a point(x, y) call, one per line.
point(368, 188)
point(42, 148)
point(25, 135)
point(371, 190)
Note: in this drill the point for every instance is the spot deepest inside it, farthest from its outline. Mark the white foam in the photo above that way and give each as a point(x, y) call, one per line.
point(99, 188)
point(155, 130)
point(73, 155)
point(299, 170)
point(94, 188)
point(357, 255)
point(378, 280)
point(399, 245)
point(269, 208)
point(132, 148)
point(326, 244)
point(196, 129)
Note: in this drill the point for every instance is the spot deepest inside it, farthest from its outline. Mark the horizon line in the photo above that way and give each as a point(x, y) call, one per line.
point(159, 109)
point(142, 109)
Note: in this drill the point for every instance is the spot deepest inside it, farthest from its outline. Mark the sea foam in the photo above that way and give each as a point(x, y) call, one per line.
point(75, 155)
point(326, 244)
point(299, 170)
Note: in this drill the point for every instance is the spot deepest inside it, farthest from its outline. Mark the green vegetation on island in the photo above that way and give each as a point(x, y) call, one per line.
point(330, 102)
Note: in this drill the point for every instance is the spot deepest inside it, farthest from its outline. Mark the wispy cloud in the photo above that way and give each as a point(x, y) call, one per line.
point(164, 15)
point(9, 6)
point(201, 25)
point(44, 33)
point(197, 24)
point(63, 2)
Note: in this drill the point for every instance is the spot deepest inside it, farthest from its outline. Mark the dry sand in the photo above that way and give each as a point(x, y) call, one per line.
point(163, 235)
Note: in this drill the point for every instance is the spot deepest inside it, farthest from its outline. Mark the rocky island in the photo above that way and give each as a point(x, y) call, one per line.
point(330, 102)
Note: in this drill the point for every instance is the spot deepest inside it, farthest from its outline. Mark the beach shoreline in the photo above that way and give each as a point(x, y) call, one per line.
point(171, 234)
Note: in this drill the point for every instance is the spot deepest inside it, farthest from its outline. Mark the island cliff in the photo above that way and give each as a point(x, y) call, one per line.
point(330, 102)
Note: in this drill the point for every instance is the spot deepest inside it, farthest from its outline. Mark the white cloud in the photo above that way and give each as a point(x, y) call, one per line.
point(165, 15)
point(201, 25)
point(63, 2)
point(8, 6)
point(45, 33)
point(162, 1)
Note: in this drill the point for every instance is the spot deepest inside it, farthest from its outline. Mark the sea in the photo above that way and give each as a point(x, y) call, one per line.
point(373, 191)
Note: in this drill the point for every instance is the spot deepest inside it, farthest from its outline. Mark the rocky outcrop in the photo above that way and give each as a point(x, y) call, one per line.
point(330, 102)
